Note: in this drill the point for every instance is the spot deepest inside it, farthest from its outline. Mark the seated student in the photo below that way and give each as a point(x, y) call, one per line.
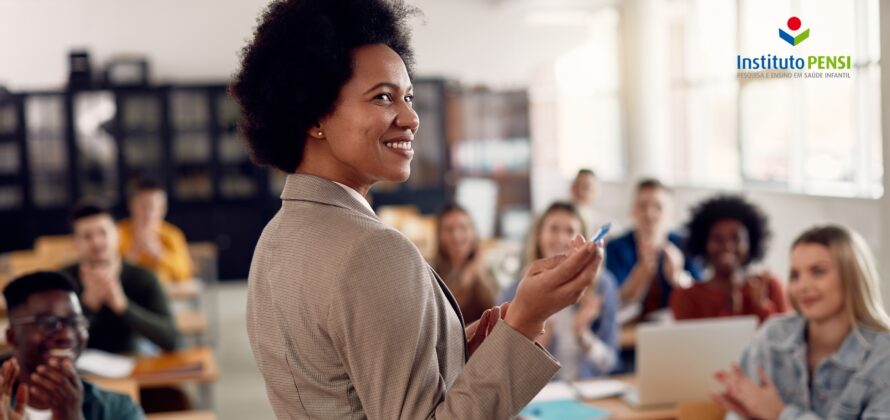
point(147, 240)
point(47, 332)
point(647, 261)
point(830, 359)
point(459, 262)
point(585, 188)
point(729, 233)
point(583, 337)
point(122, 301)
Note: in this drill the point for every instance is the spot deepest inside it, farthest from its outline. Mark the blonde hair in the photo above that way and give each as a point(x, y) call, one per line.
point(533, 246)
point(857, 272)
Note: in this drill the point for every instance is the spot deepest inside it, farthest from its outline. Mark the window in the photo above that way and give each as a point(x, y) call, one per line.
point(578, 104)
point(814, 136)
point(702, 36)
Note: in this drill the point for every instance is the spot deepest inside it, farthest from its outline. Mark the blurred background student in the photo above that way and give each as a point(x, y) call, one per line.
point(583, 337)
point(648, 261)
point(460, 262)
point(831, 358)
point(124, 303)
point(585, 192)
point(729, 234)
point(147, 240)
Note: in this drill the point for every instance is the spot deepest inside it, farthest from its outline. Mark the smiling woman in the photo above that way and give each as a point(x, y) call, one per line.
point(367, 138)
point(832, 358)
point(344, 316)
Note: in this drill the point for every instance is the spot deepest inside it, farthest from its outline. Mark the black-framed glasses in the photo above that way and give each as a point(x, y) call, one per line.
point(49, 324)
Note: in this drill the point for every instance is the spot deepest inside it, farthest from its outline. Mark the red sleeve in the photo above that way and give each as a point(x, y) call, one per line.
point(683, 303)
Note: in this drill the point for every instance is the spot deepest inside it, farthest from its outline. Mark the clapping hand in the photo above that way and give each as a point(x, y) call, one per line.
point(481, 328)
point(746, 398)
point(10, 372)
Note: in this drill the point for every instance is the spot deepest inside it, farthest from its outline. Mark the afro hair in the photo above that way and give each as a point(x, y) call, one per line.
point(299, 59)
point(725, 207)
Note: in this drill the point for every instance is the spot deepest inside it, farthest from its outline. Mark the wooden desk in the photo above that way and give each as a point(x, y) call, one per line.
point(194, 365)
point(621, 410)
point(183, 415)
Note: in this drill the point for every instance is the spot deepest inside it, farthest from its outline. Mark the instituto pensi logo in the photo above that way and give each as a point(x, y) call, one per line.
point(778, 64)
point(794, 25)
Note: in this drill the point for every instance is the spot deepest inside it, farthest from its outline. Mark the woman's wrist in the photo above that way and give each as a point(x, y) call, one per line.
point(530, 329)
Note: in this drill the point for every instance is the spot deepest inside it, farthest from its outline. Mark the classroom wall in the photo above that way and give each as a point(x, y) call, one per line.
point(194, 40)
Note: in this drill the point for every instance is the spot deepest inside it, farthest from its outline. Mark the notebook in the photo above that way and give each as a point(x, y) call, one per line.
point(562, 410)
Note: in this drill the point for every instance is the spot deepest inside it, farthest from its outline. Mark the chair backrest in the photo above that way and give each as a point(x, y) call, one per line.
point(204, 256)
point(23, 262)
point(59, 248)
point(700, 410)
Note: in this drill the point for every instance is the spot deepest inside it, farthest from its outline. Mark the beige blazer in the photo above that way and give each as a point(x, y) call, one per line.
point(347, 321)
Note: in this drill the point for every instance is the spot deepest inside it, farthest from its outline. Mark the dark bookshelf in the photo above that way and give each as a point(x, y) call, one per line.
point(56, 148)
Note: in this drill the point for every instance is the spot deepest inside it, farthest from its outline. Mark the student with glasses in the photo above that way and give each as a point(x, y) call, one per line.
point(125, 304)
point(47, 331)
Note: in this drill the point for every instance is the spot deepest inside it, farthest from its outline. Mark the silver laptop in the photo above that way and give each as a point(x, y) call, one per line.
point(676, 361)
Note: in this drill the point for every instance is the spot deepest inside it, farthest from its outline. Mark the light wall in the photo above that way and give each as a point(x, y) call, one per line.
point(474, 41)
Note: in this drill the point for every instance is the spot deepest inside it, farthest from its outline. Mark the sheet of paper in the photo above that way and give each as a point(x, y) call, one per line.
point(105, 364)
point(602, 388)
point(557, 390)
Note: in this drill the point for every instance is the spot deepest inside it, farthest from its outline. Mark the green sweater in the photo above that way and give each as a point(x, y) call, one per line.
point(99, 404)
point(147, 314)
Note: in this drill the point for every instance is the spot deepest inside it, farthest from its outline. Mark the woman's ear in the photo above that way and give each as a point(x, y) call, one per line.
point(315, 132)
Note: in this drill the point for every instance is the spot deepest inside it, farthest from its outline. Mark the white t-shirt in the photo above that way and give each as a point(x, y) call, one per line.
point(35, 414)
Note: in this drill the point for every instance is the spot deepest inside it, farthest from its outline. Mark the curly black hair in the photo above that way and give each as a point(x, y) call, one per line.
point(299, 59)
point(723, 207)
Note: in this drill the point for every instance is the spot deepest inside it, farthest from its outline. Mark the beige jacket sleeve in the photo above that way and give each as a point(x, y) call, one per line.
point(384, 326)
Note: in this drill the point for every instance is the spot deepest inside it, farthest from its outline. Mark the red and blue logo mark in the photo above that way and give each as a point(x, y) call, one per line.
point(794, 25)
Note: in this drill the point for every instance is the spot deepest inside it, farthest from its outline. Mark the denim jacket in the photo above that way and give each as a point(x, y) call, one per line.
point(853, 383)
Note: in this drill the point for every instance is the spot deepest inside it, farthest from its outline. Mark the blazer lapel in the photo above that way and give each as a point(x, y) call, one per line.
point(454, 306)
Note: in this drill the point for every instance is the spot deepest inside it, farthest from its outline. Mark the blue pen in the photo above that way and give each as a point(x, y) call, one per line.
point(600, 234)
